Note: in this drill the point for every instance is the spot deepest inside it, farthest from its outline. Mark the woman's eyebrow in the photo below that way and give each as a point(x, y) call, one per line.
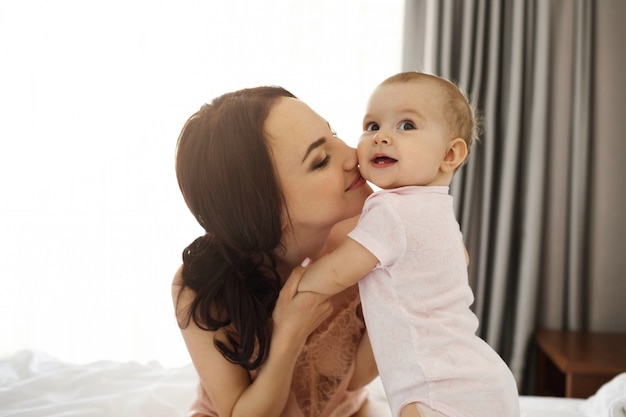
point(312, 146)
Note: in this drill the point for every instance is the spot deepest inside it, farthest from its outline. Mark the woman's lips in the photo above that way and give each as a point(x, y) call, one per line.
point(357, 183)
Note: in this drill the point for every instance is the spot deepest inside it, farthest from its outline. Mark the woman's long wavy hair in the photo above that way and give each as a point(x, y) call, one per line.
point(227, 178)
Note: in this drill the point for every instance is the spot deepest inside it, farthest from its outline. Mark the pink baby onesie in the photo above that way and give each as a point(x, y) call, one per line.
point(416, 304)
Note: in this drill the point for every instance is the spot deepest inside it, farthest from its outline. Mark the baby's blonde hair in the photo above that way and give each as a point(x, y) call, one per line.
point(459, 113)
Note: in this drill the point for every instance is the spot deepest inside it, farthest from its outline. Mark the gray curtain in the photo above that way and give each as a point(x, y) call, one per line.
point(540, 201)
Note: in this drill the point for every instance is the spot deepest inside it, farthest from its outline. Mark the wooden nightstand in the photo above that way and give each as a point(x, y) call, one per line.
point(576, 364)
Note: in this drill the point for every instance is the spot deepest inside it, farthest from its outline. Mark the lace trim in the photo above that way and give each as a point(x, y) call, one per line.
point(327, 357)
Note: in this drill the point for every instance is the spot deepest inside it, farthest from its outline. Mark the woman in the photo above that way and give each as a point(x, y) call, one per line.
point(271, 184)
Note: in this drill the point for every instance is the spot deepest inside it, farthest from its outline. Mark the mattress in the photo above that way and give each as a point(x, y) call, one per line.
point(33, 384)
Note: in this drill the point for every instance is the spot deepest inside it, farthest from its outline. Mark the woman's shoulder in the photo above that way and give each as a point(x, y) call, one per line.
point(340, 232)
point(177, 282)
point(178, 276)
point(182, 296)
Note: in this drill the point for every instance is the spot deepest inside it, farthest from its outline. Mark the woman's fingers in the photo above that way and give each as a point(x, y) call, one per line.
point(300, 313)
point(291, 285)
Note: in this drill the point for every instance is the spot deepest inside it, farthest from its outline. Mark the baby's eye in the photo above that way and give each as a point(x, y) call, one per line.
point(372, 126)
point(333, 132)
point(406, 126)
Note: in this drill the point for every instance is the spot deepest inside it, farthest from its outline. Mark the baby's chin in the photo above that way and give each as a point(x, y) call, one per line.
point(383, 185)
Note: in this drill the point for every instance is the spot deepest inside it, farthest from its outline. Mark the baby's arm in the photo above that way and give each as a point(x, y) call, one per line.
point(339, 269)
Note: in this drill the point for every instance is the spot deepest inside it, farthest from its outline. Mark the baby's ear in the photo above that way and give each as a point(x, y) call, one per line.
point(455, 155)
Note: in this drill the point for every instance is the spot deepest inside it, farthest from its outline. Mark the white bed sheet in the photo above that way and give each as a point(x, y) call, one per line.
point(33, 384)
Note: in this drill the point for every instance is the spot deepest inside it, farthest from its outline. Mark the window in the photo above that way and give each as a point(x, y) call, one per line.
point(93, 96)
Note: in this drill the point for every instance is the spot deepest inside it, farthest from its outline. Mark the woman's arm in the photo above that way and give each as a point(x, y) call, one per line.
point(365, 372)
point(339, 269)
point(365, 369)
point(229, 386)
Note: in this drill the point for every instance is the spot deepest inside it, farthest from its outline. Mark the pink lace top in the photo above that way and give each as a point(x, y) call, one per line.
point(323, 369)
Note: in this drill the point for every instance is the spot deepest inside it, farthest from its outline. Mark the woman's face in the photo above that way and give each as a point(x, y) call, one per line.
point(318, 172)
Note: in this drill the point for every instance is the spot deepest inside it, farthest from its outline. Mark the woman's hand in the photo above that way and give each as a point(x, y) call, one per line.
point(296, 314)
point(295, 317)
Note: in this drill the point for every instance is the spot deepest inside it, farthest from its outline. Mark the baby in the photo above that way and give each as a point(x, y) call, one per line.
point(408, 257)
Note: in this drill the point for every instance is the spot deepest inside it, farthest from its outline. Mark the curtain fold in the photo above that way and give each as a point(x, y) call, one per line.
point(523, 198)
point(577, 268)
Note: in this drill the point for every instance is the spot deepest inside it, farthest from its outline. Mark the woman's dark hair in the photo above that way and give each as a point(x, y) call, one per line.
point(227, 178)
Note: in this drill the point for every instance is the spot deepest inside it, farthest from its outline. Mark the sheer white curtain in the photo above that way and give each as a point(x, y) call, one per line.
point(92, 97)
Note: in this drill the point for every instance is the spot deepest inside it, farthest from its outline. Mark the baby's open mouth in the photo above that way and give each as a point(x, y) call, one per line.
point(383, 160)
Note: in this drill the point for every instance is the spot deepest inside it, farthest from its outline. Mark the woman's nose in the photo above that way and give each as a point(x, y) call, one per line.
point(350, 160)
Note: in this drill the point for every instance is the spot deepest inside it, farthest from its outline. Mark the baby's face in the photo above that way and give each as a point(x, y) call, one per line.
point(405, 136)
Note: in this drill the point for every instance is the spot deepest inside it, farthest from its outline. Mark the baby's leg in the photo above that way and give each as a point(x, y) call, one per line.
point(419, 410)
point(411, 410)
point(373, 408)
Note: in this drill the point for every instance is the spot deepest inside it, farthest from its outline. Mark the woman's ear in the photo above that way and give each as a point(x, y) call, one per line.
point(455, 155)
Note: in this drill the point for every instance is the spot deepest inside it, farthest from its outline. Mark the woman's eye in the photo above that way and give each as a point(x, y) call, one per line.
point(372, 126)
point(322, 163)
point(406, 126)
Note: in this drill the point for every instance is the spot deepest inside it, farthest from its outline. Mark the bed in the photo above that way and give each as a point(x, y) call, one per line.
point(33, 384)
